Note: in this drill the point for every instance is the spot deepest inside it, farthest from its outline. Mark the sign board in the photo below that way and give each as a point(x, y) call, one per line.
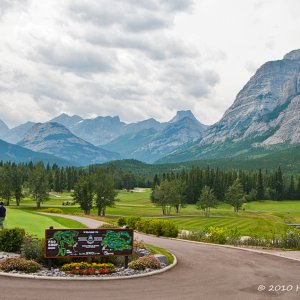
point(88, 242)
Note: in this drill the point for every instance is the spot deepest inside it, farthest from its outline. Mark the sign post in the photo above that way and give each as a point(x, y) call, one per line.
point(50, 259)
point(126, 262)
point(88, 243)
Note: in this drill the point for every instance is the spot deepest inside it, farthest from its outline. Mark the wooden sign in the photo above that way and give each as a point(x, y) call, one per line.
point(88, 242)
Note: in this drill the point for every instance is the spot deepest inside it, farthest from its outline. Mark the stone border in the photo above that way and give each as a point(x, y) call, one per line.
point(81, 278)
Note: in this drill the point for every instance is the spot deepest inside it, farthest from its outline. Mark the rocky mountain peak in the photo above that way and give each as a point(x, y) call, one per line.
point(293, 55)
point(55, 139)
point(66, 120)
point(111, 119)
point(181, 114)
point(42, 130)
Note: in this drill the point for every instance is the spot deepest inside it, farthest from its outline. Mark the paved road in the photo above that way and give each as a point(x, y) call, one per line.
point(91, 223)
point(204, 272)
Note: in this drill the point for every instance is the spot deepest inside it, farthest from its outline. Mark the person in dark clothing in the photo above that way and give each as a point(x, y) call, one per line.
point(2, 214)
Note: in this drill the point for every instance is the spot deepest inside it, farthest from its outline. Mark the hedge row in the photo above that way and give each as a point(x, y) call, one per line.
point(157, 227)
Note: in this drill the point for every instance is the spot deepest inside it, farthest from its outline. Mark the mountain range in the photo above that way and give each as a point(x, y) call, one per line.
point(55, 139)
point(263, 119)
point(265, 116)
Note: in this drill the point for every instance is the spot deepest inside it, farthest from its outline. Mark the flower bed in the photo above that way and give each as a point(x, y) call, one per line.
point(84, 268)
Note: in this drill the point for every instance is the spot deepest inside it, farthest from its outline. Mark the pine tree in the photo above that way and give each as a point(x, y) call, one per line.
point(260, 186)
point(279, 188)
point(6, 183)
point(292, 191)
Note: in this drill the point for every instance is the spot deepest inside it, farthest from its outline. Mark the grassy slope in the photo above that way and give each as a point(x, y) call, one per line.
point(36, 224)
point(260, 217)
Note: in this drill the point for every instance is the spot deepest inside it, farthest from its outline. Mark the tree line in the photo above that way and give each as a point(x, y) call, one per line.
point(208, 187)
point(170, 190)
point(37, 180)
point(256, 185)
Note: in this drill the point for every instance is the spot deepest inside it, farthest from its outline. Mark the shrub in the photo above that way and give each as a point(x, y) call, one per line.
point(291, 239)
point(199, 235)
point(145, 262)
point(216, 235)
point(19, 264)
point(84, 268)
point(233, 237)
point(158, 227)
point(139, 244)
point(33, 248)
point(11, 239)
point(52, 210)
point(108, 225)
point(132, 222)
point(122, 221)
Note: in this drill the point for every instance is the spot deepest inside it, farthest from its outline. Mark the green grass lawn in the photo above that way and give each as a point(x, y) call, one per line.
point(36, 224)
point(257, 218)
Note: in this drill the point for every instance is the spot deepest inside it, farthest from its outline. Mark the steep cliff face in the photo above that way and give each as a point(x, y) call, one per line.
point(266, 112)
point(288, 124)
point(268, 93)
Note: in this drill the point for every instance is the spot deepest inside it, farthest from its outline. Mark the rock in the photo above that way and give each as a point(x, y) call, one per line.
point(162, 258)
point(245, 238)
point(265, 112)
point(54, 138)
point(142, 252)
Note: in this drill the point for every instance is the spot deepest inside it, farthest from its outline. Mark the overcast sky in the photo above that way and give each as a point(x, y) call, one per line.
point(136, 58)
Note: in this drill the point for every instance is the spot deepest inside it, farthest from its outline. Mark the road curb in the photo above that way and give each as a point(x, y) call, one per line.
point(223, 246)
point(29, 276)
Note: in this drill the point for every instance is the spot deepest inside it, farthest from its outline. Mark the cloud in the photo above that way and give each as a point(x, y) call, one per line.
point(7, 5)
point(251, 67)
point(106, 57)
point(75, 58)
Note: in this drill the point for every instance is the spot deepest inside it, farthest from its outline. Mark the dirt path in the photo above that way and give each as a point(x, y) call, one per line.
point(90, 223)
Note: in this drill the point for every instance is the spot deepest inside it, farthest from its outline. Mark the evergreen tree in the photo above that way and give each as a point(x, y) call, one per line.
point(298, 190)
point(260, 186)
point(129, 181)
point(278, 185)
point(292, 193)
point(156, 181)
point(6, 183)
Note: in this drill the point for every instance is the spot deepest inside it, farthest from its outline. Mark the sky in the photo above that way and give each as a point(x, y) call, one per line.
point(137, 59)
